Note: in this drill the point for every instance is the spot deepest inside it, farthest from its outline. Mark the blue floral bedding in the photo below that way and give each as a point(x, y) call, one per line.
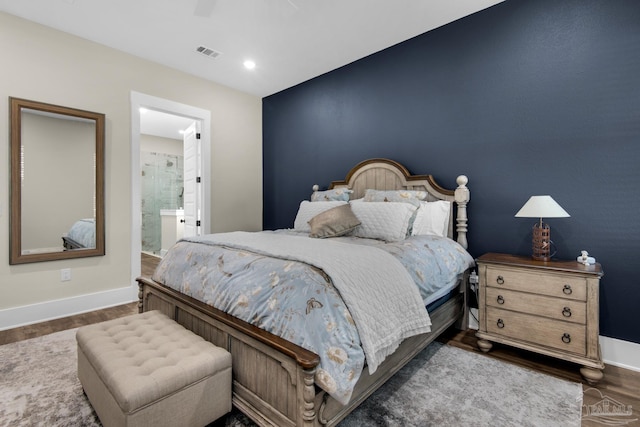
point(298, 302)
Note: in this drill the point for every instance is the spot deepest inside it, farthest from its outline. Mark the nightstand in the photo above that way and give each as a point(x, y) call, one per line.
point(547, 307)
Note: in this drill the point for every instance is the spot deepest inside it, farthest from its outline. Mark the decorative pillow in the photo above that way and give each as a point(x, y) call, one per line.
point(406, 196)
point(308, 210)
point(338, 194)
point(432, 218)
point(334, 222)
point(388, 221)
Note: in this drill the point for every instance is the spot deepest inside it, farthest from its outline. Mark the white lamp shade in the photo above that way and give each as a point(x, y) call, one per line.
point(542, 207)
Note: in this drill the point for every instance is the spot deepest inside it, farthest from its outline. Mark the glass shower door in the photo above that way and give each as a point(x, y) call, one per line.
point(161, 188)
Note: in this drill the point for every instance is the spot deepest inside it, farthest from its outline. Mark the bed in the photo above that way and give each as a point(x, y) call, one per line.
point(81, 235)
point(276, 381)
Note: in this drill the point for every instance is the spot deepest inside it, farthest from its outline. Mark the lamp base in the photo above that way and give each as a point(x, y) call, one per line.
point(541, 242)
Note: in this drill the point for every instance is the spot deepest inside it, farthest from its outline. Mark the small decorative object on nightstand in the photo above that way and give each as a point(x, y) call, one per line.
point(546, 307)
point(585, 259)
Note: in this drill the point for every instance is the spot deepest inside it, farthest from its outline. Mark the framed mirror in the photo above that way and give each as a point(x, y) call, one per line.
point(57, 182)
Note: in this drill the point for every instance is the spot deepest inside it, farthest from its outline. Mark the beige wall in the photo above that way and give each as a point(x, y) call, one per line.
point(45, 65)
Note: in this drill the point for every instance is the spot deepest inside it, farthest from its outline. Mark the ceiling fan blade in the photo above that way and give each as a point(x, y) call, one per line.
point(204, 8)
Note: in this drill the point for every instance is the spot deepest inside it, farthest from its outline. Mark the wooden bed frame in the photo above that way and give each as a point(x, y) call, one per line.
point(273, 379)
point(68, 243)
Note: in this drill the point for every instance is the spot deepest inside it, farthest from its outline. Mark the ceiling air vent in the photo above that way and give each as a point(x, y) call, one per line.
point(213, 54)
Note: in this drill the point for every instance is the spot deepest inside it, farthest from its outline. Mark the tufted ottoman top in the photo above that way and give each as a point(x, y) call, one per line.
point(144, 357)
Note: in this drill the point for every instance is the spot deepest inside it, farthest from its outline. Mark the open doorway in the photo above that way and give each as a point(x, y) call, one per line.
point(164, 173)
point(162, 178)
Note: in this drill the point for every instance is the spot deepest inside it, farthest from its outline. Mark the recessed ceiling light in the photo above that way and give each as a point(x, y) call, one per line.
point(249, 64)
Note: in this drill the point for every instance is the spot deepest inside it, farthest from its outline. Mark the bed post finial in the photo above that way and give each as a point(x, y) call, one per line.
point(315, 189)
point(462, 197)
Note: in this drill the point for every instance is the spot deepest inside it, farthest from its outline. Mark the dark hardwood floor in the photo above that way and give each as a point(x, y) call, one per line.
point(619, 385)
point(57, 325)
point(148, 264)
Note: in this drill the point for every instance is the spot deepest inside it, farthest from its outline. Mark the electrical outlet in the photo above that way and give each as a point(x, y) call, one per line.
point(65, 274)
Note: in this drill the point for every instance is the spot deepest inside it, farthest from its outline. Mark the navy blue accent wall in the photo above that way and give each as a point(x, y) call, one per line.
point(528, 97)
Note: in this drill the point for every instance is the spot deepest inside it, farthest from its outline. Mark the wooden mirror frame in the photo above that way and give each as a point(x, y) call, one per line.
point(15, 227)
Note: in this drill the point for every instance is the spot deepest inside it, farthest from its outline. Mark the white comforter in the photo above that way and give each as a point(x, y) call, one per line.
point(379, 292)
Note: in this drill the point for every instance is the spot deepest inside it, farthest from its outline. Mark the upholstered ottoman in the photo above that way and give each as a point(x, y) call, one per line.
point(147, 370)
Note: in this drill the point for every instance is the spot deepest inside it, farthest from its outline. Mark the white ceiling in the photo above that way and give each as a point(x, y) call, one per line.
point(291, 41)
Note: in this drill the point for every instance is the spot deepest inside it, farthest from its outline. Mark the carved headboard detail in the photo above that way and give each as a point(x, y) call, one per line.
point(385, 174)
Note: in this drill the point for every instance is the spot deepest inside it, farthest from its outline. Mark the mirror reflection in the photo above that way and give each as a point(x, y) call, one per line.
point(56, 182)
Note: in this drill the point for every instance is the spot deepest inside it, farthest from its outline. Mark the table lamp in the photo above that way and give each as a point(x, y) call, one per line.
point(539, 207)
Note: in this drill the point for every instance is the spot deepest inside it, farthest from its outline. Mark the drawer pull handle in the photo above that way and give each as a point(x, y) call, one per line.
point(567, 289)
point(500, 323)
point(566, 312)
point(500, 280)
point(500, 299)
point(566, 338)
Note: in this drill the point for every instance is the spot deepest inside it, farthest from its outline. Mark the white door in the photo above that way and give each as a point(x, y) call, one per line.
point(192, 185)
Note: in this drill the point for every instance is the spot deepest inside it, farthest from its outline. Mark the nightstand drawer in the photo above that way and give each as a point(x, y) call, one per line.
point(540, 305)
point(554, 285)
point(565, 336)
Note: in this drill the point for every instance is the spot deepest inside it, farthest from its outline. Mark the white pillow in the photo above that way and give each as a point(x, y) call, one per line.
point(388, 221)
point(308, 210)
point(432, 218)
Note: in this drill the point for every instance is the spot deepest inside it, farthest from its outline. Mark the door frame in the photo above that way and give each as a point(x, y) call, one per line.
point(139, 100)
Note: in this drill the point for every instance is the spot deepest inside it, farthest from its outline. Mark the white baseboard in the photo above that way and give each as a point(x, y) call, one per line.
point(49, 310)
point(624, 354)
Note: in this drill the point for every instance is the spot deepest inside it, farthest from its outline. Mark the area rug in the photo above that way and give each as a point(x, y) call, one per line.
point(442, 386)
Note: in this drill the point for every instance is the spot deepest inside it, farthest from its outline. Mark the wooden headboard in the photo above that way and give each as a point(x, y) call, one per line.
point(385, 174)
